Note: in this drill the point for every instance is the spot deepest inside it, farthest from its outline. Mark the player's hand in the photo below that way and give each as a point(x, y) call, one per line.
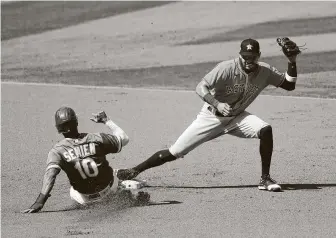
point(99, 117)
point(36, 207)
point(224, 108)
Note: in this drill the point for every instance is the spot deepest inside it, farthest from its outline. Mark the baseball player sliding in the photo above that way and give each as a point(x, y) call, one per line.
point(82, 156)
point(228, 90)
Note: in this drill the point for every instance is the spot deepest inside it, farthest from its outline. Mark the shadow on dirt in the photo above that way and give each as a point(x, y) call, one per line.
point(306, 186)
point(163, 203)
point(116, 207)
point(120, 205)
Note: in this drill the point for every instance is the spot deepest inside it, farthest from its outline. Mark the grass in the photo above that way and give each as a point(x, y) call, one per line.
point(182, 76)
point(294, 27)
point(29, 17)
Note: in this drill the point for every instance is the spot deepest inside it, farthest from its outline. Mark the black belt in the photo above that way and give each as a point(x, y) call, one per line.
point(215, 112)
point(96, 195)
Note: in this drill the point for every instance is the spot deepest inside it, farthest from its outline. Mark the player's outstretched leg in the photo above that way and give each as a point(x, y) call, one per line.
point(156, 159)
point(266, 149)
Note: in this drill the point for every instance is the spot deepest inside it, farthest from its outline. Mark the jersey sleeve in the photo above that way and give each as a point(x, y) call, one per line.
point(275, 77)
point(111, 143)
point(217, 73)
point(54, 160)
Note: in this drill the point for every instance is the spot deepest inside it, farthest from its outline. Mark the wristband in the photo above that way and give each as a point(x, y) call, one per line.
point(211, 100)
point(291, 71)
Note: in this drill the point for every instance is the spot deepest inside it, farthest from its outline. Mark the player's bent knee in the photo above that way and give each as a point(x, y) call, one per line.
point(266, 132)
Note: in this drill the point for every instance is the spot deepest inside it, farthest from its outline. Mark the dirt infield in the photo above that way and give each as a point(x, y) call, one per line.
point(216, 183)
point(212, 192)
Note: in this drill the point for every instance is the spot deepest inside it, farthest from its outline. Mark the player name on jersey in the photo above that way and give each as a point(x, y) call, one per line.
point(80, 151)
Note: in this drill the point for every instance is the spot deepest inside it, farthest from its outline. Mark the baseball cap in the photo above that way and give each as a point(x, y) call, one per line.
point(249, 47)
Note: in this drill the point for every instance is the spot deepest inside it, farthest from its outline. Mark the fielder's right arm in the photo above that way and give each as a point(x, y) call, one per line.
point(203, 90)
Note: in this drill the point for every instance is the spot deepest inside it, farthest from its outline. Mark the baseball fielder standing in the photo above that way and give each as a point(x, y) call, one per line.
point(228, 90)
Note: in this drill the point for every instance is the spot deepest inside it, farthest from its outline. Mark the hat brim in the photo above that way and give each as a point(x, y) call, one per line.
point(249, 53)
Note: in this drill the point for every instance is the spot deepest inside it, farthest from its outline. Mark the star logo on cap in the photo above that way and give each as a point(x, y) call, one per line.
point(249, 47)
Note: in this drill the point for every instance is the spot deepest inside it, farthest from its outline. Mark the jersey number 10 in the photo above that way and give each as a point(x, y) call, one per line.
point(87, 168)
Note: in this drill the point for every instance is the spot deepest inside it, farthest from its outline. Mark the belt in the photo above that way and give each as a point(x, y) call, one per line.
point(101, 193)
point(215, 112)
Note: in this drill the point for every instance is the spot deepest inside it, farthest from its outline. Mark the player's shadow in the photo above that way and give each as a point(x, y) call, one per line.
point(307, 186)
point(67, 208)
point(120, 205)
point(80, 207)
point(287, 186)
point(163, 203)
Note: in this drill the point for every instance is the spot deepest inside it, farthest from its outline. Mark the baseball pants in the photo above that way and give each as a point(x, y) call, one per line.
point(208, 126)
point(96, 197)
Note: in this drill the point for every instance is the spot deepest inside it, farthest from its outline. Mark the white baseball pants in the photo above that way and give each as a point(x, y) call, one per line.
point(207, 126)
point(96, 197)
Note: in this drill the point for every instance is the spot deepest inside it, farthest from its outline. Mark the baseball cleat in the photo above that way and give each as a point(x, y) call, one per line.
point(126, 174)
point(269, 184)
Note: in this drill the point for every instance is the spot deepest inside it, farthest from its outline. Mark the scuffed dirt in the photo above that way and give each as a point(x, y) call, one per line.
point(215, 185)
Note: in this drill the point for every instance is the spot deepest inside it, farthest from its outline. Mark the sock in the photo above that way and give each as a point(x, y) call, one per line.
point(266, 150)
point(157, 159)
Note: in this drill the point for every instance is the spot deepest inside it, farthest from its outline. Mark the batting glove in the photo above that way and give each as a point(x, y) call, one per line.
point(99, 117)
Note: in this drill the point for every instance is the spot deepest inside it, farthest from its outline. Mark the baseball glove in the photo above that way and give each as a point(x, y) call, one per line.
point(289, 47)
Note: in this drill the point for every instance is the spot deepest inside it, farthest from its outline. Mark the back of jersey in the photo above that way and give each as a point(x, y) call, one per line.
point(84, 160)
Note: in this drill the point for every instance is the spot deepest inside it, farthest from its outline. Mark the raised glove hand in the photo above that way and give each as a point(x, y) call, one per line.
point(289, 47)
point(99, 117)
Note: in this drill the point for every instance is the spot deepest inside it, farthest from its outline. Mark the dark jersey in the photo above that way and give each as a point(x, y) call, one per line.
point(84, 160)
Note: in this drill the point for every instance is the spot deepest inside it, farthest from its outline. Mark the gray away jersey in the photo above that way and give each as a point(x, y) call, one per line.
point(230, 84)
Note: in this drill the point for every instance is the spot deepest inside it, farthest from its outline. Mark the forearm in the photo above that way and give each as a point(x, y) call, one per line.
point(48, 183)
point(203, 91)
point(290, 77)
point(49, 180)
point(117, 131)
point(291, 74)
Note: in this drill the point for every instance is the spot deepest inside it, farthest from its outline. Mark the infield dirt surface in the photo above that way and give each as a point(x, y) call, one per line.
point(212, 192)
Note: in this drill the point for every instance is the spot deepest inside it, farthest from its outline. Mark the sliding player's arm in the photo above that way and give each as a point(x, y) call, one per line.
point(49, 178)
point(114, 141)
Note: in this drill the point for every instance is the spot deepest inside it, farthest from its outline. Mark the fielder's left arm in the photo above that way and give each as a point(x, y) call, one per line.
point(286, 80)
point(291, 51)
